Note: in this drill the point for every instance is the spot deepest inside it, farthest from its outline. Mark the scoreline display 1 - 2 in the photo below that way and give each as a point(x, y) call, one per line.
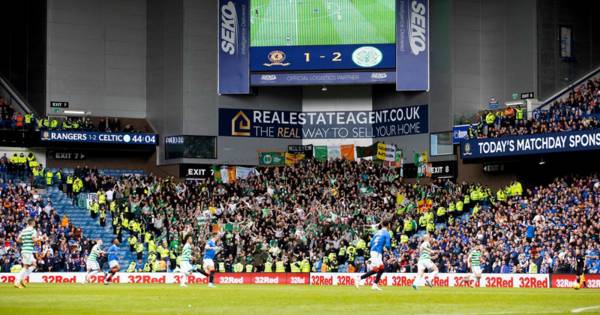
point(313, 42)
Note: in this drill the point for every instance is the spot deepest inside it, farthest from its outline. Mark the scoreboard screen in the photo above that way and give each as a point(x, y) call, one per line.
point(308, 35)
point(190, 147)
point(322, 42)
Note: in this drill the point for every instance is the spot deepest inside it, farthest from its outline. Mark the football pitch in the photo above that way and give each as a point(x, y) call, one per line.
point(321, 22)
point(279, 299)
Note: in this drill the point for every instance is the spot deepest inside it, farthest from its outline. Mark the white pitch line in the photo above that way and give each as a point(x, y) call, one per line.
point(584, 309)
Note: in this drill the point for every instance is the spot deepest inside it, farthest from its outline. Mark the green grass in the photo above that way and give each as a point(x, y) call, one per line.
point(321, 22)
point(280, 300)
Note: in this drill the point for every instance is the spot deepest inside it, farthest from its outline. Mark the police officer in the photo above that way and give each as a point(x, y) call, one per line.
point(459, 206)
point(131, 267)
point(249, 267)
point(279, 266)
point(268, 265)
point(147, 267)
point(467, 202)
point(295, 266)
point(139, 250)
point(58, 176)
point(103, 217)
point(238, 267)
point(49, 177)
point(28, 120)
point(132, 240)
point(520, 114)
point(305, 264)
point(94, 209)
point(70, 185)
point(441, 214)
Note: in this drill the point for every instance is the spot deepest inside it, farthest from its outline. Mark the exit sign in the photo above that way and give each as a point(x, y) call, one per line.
point(55, 104)
point(527, 95)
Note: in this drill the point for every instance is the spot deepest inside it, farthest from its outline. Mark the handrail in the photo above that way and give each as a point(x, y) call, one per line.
point(569, 87)
point(17, 98)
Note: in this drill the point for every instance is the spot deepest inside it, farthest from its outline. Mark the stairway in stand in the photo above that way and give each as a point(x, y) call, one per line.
point(91, 227)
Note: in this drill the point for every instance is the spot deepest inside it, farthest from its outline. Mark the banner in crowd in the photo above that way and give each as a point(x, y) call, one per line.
point(381, 150)
point(367, 151)
point(334, 152)
point(391, 122)
point(242, 172)
point(397, 162)
point(412, 45)
point(307, 149)
point(74, 136)
point(234, 46)
point(531, 144)
point(347, 151)
point(321, 153)
point(271, 159)
point(387, 152)
point(229, 174)
point(293, 158)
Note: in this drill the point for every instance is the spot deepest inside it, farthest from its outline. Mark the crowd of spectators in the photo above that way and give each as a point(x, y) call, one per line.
point(62, 246)
point(15, 120)
point(316, 217)
point(320, 216)
point(537, 232)
point(578, 111)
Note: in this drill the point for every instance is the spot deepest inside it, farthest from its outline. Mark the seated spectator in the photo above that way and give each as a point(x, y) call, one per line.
point(578, 111)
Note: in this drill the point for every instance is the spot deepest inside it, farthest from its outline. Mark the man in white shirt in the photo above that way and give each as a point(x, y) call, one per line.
point(109, 195)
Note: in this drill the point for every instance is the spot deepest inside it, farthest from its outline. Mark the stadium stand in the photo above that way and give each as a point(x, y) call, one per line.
point(15, 120)
point(301, 157)
point(578, 111)
point(63, 246)
point(319, 217)
point(14, 173)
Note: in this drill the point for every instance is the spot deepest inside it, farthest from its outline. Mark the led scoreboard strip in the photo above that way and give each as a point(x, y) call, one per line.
point(312, 58)
point(98, 137)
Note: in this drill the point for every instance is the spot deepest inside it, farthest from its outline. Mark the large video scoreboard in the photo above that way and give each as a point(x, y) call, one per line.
point(313, 42)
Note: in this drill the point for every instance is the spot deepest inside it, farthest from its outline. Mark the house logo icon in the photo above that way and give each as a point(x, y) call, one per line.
point(240, 125)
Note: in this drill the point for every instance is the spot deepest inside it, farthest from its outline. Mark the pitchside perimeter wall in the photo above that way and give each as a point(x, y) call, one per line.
point(319, 279)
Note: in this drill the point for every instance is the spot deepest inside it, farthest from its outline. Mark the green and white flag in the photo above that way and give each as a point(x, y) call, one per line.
point(321, 153)
point(271, 159)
